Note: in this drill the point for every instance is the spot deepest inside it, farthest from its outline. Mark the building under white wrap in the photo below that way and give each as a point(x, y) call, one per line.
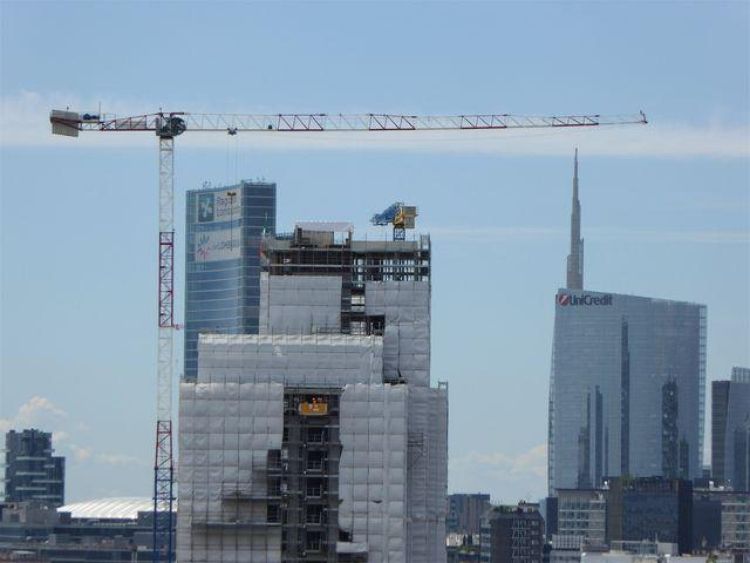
point(320, 438)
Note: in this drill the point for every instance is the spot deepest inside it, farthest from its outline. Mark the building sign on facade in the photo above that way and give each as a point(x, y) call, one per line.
point(219, 206)
point(211, 246)
point(566, 299)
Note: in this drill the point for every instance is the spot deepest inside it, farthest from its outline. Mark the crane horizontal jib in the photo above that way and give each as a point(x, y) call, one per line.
point(69, 123)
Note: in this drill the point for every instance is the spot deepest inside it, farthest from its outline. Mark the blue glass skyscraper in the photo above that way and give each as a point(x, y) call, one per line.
point(224, 227)
point(627, 388)
point(627, 384)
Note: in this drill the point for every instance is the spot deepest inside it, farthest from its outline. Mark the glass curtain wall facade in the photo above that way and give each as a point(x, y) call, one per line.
point(627, 388)
point(222, 265)
point(730, 451)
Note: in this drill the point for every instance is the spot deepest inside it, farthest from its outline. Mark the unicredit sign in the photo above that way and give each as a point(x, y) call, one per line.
point(567, 300)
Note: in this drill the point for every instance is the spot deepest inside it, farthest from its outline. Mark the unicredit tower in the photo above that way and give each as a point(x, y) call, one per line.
point(627, 384)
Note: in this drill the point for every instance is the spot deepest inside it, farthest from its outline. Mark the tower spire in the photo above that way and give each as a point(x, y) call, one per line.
point(575, 258)
point(575, 176)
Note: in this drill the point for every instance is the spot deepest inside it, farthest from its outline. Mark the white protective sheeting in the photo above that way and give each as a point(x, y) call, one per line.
point(372, 471)
point(330, 360)
point(226, 430)
point(393, 466)
point(427, 478)
point(406, 341)
point(299, 304)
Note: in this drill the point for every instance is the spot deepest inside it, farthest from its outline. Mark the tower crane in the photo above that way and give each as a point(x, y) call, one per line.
point(167, 126)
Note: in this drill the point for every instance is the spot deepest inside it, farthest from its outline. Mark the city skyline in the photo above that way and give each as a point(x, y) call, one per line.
point(666, 206)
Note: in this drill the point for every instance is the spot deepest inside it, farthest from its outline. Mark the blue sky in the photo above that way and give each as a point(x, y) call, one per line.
point(666, 208)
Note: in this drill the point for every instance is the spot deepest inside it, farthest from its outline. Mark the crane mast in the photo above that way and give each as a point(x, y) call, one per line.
point(167, 126)
point(163, 460)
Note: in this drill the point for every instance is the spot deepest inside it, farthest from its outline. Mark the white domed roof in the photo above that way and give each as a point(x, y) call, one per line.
point(117, 508)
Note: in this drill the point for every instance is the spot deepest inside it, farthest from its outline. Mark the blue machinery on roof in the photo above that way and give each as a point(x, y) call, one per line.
point(398, 214)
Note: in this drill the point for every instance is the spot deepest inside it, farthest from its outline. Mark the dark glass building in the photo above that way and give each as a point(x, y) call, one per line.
point(32, 473)
point(730, 427)
point(512, 534)
point(706, 520)
point(465, 512)
point(721, 520)
point(650, 508)
point(224, 228)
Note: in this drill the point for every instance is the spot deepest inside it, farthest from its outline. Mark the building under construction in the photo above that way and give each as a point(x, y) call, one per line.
point(320, 438)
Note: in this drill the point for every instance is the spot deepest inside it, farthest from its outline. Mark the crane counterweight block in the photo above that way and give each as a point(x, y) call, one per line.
point(66, 123)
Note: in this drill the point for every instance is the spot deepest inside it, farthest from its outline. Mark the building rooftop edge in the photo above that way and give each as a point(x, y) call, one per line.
point(211, 187)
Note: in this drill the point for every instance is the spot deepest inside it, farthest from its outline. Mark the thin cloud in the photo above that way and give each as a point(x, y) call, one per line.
point(533, 460)
point(25, 123)
point(36, 412)
point(80, 453)
point(119, 460)
point(520, 233)
point(508, 477)
point(60, 436)
point(40, 412)
point(494, 234)
point(671, 236)
point(87, 454)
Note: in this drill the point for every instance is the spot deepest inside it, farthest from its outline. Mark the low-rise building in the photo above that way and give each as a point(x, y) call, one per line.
point(112, 530)
point(650, 508)
point(512, 534)
point(462, 548)
point(581, 513)
point(565, 549)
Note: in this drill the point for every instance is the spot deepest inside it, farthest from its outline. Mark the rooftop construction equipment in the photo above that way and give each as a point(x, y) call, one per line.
point(398, 214)
point(167, 126)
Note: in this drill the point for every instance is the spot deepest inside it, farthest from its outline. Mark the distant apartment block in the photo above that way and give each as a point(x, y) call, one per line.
point(32, 473)
point(581, 518)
